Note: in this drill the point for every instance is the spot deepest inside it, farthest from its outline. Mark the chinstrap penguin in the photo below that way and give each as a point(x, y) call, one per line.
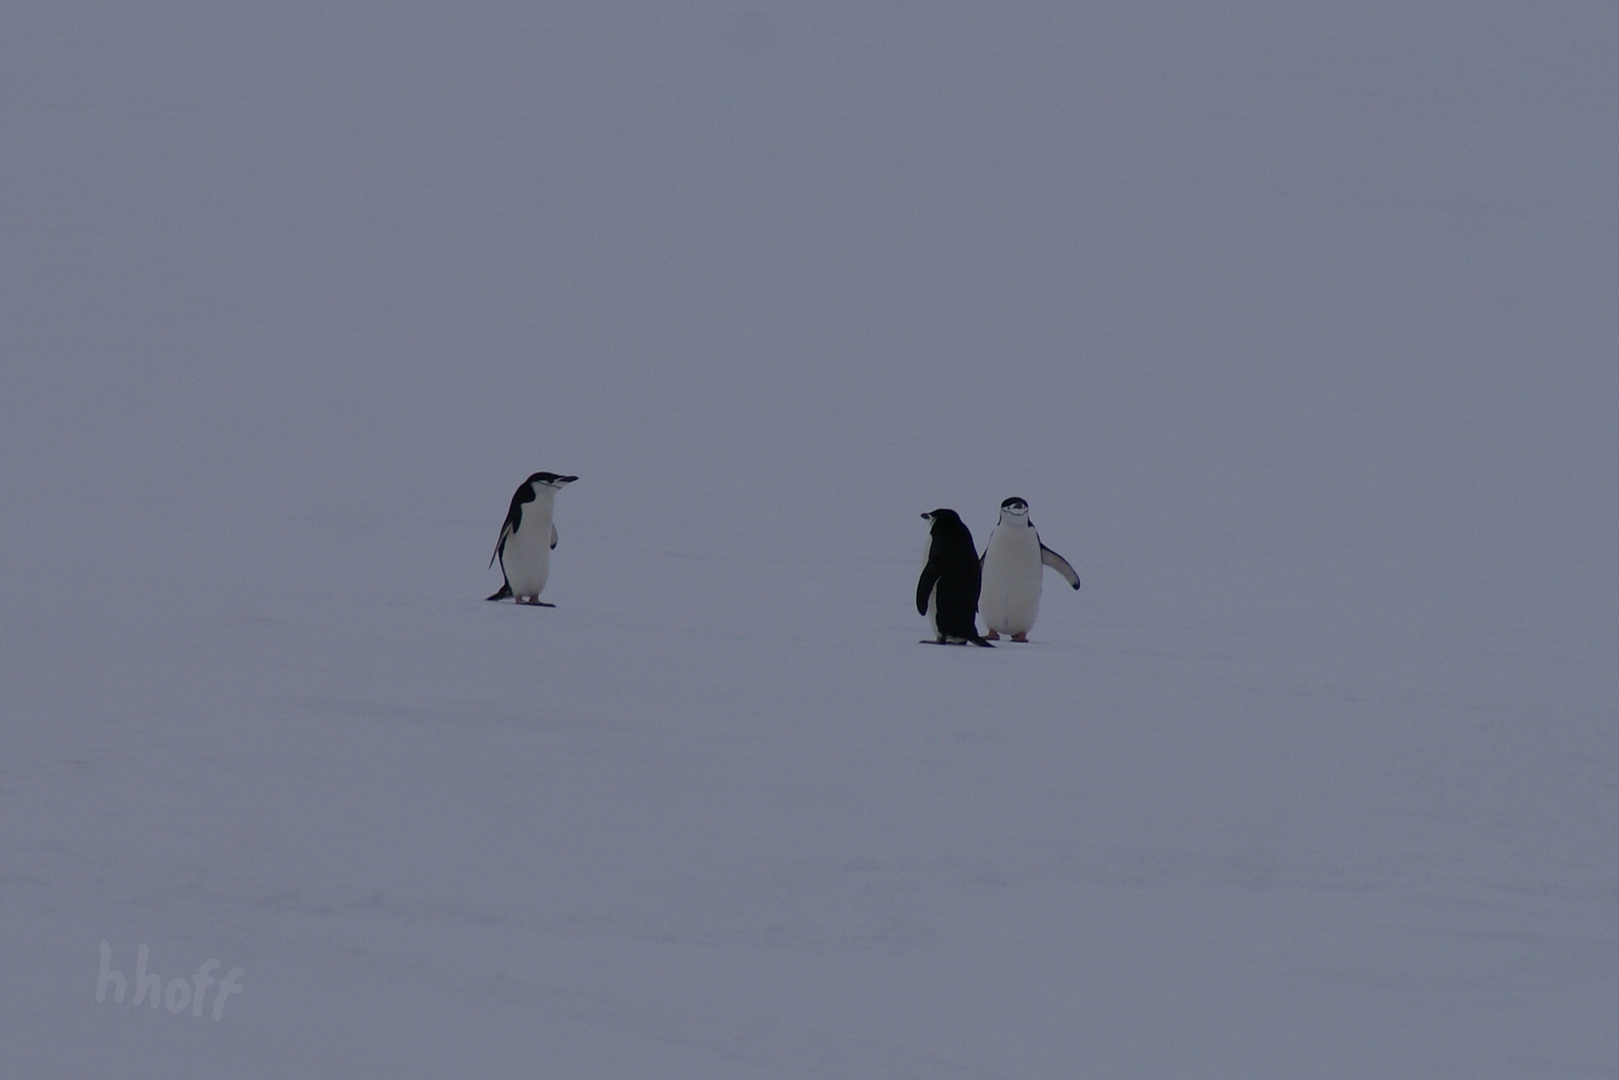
point(527, 537)
point(1012, 563)
point(947, 592)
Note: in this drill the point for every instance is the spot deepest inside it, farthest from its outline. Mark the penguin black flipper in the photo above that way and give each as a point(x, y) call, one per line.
point(514, 520)
point(925, 584)
point(500, 549)
point(1059, 564)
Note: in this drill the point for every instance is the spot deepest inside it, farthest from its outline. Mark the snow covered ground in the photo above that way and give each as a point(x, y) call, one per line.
point(1295, 323)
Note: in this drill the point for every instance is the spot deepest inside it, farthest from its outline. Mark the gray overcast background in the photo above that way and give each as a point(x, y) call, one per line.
point(1295, 322)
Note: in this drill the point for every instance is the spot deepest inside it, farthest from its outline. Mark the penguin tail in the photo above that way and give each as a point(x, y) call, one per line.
point(976, 640)
point(504, 591)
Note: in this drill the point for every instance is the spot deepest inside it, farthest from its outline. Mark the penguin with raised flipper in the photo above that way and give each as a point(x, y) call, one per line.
point(947, 592)
point(1012, 563)
point(526, 539)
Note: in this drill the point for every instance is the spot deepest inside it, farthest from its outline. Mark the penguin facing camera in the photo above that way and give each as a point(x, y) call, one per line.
point(1012, 564)
point(526, 539)
point(947, 592)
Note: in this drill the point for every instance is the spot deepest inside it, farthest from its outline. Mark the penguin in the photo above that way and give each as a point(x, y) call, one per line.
point(1011, 563)
point(526, 539)
point(947, 592)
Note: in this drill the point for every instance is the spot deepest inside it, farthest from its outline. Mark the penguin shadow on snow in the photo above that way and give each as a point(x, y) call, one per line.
point(1002, 584)
point(527, 539)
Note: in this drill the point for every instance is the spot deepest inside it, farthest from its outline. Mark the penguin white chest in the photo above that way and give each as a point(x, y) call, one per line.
point(1010, 598)
point(526, 558)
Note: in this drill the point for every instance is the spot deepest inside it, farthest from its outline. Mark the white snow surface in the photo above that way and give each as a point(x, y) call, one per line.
point(1295, 322)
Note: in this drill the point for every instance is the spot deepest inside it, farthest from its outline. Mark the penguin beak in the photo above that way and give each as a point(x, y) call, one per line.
point(927, 517)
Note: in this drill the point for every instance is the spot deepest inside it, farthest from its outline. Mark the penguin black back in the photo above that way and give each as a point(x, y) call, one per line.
point(951, 579)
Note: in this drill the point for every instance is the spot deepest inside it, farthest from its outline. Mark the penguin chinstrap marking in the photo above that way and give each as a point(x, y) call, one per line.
point(1013, 560)
point(947, 591)
point(526, 539)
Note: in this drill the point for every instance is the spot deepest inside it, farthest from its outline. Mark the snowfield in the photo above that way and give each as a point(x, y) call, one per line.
point(1295, 324)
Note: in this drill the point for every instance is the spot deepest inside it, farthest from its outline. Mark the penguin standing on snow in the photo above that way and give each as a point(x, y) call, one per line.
point(527, 537)
point(1012, 562)
point(947, 592)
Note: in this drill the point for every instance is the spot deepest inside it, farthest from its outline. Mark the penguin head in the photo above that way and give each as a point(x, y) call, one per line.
point(1014, 510)
point(943, 520)
point(550, 480)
